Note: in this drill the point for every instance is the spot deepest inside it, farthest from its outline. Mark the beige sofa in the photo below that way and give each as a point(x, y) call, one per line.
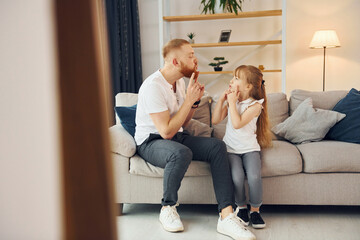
point(314, 173)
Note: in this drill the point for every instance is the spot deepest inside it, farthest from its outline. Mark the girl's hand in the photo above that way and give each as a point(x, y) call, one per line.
point(233, 96)
point(223, 96)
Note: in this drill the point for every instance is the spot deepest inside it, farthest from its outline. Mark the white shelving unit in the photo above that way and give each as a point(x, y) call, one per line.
point(164, 32)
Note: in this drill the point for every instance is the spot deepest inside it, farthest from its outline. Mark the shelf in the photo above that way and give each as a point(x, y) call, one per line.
point(230, 72)
point(229, 44)
point(166, 23)
point(267, 13)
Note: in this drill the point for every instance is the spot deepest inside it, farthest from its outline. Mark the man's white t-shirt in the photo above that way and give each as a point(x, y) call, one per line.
point(156, 95)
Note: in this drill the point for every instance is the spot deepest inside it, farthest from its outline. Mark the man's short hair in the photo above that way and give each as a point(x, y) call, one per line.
point(173, 44)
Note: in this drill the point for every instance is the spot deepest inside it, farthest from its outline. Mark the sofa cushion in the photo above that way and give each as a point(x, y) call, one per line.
point(330, 156)
point(307, 123)
point(323, 100)
point(283, 158)
point(219, 129)
point(202, 113)
point(127, 118)
point(140, 167)
point(347, 130)
point(278, 109)
point(197, 128)
point(121, 142)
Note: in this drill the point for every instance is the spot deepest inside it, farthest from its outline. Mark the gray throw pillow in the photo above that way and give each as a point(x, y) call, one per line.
point(307, 124)
point(202, 113)
point(197, 128)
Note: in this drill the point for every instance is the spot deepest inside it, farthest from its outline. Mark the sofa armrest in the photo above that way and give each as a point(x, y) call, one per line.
point(121, 142)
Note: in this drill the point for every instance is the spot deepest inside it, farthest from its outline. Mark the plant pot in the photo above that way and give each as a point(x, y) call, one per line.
point(191, 41)
point(217, 8)
point(217, 69)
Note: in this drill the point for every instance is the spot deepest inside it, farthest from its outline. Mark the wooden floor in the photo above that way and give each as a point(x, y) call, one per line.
point(140, 221)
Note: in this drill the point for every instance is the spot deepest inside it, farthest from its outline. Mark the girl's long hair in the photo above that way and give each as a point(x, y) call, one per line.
point(254, 77)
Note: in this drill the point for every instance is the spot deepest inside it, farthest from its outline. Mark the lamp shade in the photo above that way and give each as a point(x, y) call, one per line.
point(325, 38)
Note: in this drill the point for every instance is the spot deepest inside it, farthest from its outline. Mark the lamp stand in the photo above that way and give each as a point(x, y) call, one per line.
point(324, 71)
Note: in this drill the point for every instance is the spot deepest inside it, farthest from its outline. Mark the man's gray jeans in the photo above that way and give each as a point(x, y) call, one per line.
point(175, 156)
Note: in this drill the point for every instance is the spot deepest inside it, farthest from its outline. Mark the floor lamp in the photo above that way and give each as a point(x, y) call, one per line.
point(324, 39)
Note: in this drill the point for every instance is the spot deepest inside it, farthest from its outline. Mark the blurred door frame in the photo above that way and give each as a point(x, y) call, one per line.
point(84, 87)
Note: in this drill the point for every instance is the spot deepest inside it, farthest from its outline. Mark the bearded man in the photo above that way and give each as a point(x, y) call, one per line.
point(163, 109)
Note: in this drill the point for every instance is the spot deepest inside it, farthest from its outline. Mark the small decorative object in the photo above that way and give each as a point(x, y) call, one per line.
point(226, 6)
point(191, 37)
point(225, 36)
point(220, 61)
point(261, 67)
point(325, 39)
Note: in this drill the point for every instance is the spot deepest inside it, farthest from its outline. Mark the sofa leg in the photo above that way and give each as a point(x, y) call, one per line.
point(120, 209)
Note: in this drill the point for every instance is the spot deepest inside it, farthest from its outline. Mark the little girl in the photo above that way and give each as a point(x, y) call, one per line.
point(247, 130)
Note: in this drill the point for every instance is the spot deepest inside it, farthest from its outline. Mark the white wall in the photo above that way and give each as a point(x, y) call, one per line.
point(30, 197)
point(149, 34)
point(248, 29)
point(305, 65)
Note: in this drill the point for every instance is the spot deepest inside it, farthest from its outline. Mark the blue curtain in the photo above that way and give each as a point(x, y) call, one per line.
point(124, 45)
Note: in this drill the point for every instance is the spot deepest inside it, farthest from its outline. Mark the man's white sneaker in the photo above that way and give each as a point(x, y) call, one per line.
point(233, 227)
point(170, 219)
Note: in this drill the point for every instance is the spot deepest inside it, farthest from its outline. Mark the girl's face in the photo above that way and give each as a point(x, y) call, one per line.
point(238, 84)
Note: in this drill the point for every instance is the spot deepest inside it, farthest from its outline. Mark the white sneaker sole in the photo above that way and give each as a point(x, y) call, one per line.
point(178, 229)
point(233, 237)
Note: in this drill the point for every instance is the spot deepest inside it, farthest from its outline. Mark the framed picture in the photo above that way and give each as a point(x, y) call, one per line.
point(225, 36)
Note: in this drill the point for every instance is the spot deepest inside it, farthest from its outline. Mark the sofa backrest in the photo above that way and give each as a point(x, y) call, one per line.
point(278, 108)
point(126, 100)
point(323, 100)
point(202, 113)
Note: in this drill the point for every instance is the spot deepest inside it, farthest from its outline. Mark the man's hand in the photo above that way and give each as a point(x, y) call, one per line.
point(196, 75)
point(195, 90)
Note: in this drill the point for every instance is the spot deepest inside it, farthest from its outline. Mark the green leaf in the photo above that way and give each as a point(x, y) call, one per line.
point(229, 5)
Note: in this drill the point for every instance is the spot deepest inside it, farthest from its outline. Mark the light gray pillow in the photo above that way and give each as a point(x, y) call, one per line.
point(197, 128)
point(307, 124)
point(121, 142)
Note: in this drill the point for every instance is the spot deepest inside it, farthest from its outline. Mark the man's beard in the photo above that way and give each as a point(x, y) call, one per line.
point(186, 71)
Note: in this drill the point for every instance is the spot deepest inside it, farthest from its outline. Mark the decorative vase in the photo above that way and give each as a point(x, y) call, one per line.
point(217, 69)
point(191, 41)
point(217, 7)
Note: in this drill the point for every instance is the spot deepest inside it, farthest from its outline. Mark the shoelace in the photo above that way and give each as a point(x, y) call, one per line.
point(238, 222)
point(173, 215)
point(241, 221)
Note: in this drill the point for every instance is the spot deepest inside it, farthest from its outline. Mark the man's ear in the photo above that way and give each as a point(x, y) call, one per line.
point(175, 62)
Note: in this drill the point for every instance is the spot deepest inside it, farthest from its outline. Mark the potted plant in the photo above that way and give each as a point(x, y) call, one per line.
point(220, 61)
point(191, 37)
point(225, 5)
